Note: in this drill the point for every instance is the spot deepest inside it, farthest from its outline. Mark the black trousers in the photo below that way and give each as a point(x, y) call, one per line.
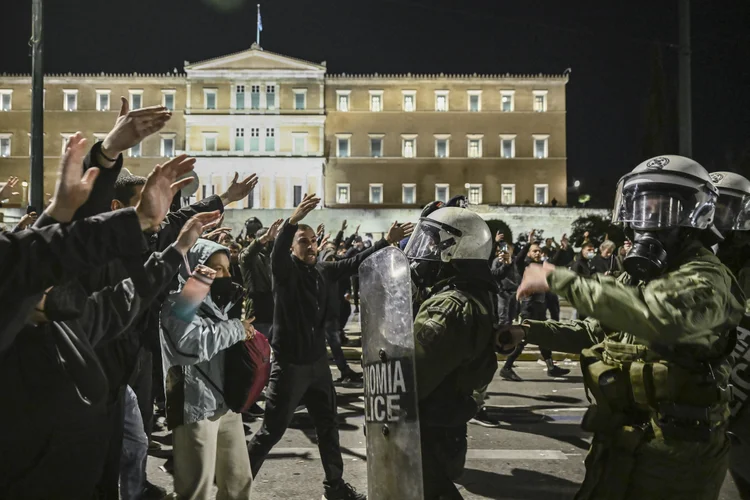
point(443, 460)
point(546, 354)
point(290, 385)
point(141, 381)
point(355, 290)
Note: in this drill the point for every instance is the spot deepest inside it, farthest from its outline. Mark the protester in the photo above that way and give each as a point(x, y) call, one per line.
point(563, 254)
point(300, 371)
point(607, 262)
point(26, 222)
point(584, 264)
point(208, 437)
point(255, 265)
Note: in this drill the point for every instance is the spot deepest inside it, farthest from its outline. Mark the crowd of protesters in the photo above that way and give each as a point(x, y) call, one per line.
point(103, 321)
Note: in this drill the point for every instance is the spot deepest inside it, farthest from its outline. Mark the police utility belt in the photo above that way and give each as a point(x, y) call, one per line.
point(635, 387)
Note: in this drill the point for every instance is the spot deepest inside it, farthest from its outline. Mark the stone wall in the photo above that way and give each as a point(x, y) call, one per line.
point(554, 221)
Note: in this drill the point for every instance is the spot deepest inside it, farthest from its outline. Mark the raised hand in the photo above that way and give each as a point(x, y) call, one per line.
point(193, 229)
point(238, 190)
point(131, 127)
point(343, 226)
point(27, 220)
point(321, 229)
point(356, 231)
point(272, 232)
point(534, 280)
point(73, 186)
point(398, 232)
point(160, 188)
point(7, 190)
point(309, 202)
point(216, 233)
point(499, 237)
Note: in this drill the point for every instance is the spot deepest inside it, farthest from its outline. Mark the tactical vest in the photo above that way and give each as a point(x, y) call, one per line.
point(632, 385)
point(740, 378)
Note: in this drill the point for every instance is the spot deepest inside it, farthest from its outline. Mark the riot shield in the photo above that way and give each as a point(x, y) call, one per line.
point(394, 458)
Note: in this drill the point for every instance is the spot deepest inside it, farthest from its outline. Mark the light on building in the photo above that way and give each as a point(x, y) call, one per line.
point(577, 184)
point(25, 184)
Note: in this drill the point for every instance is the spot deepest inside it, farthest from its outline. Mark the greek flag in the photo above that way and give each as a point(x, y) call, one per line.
point(260, 21)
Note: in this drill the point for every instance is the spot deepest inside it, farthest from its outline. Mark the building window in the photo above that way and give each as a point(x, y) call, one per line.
point(475, 101)
point(254, 140)
point(343, 146)
point(271, 97)
point(342, 193)
point(209, 98)
point(541, 146)
point(209, 142)
point(270, 139)
point(508, 194)
point(540, 101)
point(239, 97)
point(541, 194)
point(167, 99)
point(167, 146)
point(409, 146)
point(410, 100)
point(71, 100)
point(441, 100)
point(376, 194)
point(507, 100)
point(376, 100)
point(442, 192)
point(300, 99)
point(239, 139)
point(442, 146)
point(508, 146)
point(299, 144)
point(135, 151)
point(255, 97)
point(475, 194)
point(342, 100)
point(475, 147)
point(251, 198)
point(376, 146)
point(5, 145)
point(6, 99)
point(297, 195)
point(136, 99)
point(102, 100)
point(409, 194)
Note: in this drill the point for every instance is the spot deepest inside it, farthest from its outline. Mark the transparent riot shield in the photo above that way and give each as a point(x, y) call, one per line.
point(394, 458)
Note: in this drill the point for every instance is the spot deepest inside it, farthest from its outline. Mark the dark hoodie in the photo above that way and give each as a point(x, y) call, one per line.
point(301, 300)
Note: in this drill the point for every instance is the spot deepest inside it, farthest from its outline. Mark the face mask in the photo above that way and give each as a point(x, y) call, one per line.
point(424, 273)
point(544, 258)
point(65, 302)
point(591, 255)
point(647, 258)
point(222, 290)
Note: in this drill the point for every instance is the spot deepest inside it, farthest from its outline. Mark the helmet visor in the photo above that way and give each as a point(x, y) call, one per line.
point(430, 239)
point(662, 207)
point(733, 212)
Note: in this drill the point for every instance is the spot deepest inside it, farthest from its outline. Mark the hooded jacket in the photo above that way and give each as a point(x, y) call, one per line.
point(193, 350)
point(255, 263)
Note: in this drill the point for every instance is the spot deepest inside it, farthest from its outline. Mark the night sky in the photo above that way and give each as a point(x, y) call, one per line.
point(613, 51)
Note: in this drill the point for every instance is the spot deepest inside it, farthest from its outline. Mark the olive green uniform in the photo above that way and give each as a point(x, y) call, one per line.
point(739, 457)
point(454, 353)
point(654, 358)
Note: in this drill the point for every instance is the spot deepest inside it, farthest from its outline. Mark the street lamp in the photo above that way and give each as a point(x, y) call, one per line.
point(577, 184)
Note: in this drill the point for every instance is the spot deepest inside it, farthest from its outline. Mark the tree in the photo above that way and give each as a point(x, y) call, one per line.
point(499, 225)
point(598, 228)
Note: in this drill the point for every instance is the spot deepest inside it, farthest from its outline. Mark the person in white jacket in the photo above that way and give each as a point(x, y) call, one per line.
point(208, 438)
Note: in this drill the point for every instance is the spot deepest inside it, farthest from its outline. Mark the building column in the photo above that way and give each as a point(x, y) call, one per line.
point(272, 197)
point(188, 102)
point(322, 102)
point(321, 140)
point(321, 188)
point(289, 193)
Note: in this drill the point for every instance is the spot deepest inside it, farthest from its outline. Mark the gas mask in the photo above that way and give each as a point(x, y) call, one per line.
point(424, 273)
point(648, 257)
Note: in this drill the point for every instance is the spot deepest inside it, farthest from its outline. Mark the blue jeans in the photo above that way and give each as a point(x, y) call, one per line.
point(134, 450)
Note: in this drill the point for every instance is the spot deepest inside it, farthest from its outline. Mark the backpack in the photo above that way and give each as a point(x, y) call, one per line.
point(247, 368)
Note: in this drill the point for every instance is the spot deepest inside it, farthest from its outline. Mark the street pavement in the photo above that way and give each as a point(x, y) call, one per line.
point(536, 453)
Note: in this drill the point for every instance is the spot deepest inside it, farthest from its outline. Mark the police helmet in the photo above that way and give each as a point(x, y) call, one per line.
point(665, 192)
point(450, 234)
point(733, 207)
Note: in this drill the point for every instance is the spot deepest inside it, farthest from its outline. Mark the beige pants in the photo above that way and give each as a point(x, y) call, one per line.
point(213, 447)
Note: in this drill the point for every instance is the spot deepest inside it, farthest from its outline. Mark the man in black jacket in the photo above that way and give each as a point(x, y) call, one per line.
point(300, 371)
point(533, 307)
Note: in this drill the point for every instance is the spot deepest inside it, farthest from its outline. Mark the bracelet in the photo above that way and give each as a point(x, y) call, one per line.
point(106, 157)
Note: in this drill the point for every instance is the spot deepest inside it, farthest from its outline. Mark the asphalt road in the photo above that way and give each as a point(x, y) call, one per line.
point(537, 453)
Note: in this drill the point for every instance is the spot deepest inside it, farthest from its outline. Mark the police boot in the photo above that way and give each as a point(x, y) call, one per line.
point(555, 371)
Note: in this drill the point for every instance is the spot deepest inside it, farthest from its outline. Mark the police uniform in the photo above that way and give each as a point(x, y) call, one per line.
point(454, 333)
point(656, 344)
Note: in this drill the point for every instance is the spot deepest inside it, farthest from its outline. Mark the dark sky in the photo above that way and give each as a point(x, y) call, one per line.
point(610, 46)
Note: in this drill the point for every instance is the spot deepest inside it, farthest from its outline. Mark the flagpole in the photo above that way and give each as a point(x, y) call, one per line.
point(257, 26)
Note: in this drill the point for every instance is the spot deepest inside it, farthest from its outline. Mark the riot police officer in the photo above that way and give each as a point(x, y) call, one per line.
point(656, 343)
point(454, 337)
point(733, 221)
